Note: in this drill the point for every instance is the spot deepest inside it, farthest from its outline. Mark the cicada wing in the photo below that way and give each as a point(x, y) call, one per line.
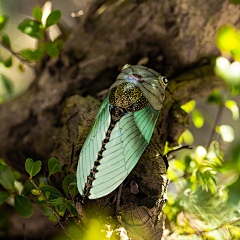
point(92, 144)
point(127, 143)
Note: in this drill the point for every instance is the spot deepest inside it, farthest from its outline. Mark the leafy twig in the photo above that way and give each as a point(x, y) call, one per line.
point(180, 148)
point(55, 213)
point(15, 55)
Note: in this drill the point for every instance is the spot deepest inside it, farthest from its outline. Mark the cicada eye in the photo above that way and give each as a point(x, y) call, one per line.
point(163, 81)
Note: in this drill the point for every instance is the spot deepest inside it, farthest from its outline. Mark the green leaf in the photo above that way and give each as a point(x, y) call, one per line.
point(234, 193)
point(23, 206)
point(37, 13)
point(39, 201)
point(59, 43)
point(53, 166)
point(27, 187)
point(6, 177)
point(6, 83)
point(3, 20)
point(8, 62)
point(227, 38)
point(232, 106)
point(35, 192)
point(51, 50)
point(47, 194)
point(5, 40)
point(215, 97)
point(54, 193)
point(71, 208)
point(189, 106)
point(31, 28)
point(32, 55)
point(47, 211)
point(235, 2)
point(73, 187)
point(3, 197)
point(53, 18)
point(197, 118)
point(226, 132)
point(57, 201)
point(33, 167)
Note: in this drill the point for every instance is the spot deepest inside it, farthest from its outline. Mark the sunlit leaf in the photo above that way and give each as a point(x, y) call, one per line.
point(189, 106)
point(23, 206)
point(35, 192)
point(232, 106)
point(53, 18)
point(227, 71)
point(33, 167)
point(197, 118)
point(187, 137)
point(227, 38)
point(31, 28)
point(201, 151)
point(37, 13)
point(226, 132)
point(3, 20)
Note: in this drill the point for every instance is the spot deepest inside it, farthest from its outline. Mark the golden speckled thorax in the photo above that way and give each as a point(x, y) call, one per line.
point(127, 96)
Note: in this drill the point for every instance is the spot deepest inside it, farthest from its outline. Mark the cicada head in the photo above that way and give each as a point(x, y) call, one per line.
point(150, 82)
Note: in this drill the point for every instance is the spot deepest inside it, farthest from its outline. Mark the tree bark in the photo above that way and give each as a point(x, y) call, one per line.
point(53, 117)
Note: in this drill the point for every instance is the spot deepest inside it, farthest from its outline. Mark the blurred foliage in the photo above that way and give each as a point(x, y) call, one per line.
point(204, 196)
point(37, 28)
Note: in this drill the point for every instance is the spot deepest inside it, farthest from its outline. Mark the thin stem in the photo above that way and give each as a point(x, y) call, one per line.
point(15, 55)
point(180, 148)
point(217, 121)
point(55, 213)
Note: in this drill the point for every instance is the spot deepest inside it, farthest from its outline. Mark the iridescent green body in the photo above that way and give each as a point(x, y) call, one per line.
point(121, 131)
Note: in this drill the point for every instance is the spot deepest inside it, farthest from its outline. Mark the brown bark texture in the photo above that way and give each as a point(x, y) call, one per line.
point(53, 117)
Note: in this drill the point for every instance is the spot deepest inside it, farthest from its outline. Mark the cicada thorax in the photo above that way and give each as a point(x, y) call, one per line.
point(123, 99)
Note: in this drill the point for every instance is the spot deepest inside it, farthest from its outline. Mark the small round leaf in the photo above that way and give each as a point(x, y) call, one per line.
point(47, 211)
point(6, 177)
point(3, 197)
point(23, 206)
point(51, 50)
point(53, 18)
point(32, 167)
point(53, 166)
point(37, 13)
point(3, 20)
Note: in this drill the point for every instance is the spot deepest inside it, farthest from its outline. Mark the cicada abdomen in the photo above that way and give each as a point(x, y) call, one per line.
point(121, 130)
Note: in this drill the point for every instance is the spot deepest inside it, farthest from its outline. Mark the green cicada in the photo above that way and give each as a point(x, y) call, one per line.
point(121, 130)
